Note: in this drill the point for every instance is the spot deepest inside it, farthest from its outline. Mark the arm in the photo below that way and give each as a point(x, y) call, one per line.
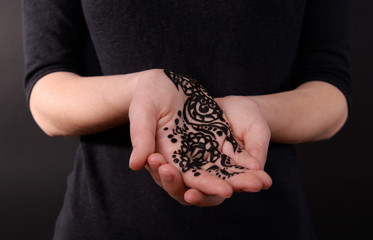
point(314, 111)
point(66, 104)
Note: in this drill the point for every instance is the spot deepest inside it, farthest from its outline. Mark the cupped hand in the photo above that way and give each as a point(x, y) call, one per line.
point(249, 127)
point(174, 115)
point(251, 131)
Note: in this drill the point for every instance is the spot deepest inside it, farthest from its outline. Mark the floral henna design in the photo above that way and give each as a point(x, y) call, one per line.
point(199, 148)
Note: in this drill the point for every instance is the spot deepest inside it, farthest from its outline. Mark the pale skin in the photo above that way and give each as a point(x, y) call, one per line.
point(66, 104)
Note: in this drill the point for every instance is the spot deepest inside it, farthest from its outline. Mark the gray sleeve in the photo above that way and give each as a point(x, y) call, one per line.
point(326, 44)
point(51, 37)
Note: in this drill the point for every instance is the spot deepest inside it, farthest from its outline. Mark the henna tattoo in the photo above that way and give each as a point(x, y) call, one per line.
point(199, 148)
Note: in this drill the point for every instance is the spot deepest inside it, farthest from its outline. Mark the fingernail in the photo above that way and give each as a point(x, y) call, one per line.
point(166, 177)
point(153, 166)
point(147, 167)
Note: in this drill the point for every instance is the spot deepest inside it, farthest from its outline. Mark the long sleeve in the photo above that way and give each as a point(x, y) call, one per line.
point(52, 32)
point(324, 52)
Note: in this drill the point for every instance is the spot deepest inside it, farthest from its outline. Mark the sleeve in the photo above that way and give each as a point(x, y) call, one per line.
point(51, 38)
point(324, 52)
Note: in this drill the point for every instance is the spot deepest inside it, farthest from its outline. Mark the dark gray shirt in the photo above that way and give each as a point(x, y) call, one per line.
point(231, 47)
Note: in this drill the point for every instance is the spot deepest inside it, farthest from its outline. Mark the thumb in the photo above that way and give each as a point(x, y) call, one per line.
point(142, 128)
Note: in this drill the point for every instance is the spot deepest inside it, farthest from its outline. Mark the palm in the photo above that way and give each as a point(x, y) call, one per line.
point(197, 132)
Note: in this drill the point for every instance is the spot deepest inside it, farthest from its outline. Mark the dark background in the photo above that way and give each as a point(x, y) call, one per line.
point(336, 174)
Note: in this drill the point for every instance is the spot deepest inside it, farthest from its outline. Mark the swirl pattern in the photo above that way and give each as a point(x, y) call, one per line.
point(197, 126)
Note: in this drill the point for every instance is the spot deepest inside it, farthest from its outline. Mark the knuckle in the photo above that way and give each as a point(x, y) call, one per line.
point(256, 185)
point(255, 165)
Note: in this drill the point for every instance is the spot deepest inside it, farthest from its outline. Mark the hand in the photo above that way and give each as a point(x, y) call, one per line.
point(249, 127)
point(250, 130)
point(193, 135)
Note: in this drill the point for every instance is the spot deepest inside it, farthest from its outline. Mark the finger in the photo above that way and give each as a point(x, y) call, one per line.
point(264, 177)
point(200, 199)
point(155, 160)
point(242, 158)
point(207, 183)
point(245, 182)
point(233, 149)
point(250, 181)
point(173, 183)
point(240, 178)
point(142, 129)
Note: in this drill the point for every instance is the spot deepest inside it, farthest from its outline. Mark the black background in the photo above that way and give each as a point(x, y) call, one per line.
point(336, 174)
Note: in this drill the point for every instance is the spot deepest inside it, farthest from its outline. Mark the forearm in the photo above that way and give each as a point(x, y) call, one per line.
point(314, 111)
point(66, 104)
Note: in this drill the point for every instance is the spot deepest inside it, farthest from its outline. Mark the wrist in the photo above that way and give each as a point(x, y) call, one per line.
point(256, 104)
